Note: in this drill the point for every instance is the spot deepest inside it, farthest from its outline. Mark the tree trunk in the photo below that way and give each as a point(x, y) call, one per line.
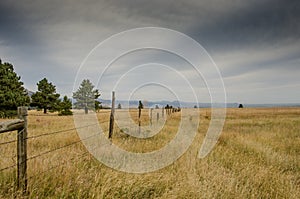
point(45, 110)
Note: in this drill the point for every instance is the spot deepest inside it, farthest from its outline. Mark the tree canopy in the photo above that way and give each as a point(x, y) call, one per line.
point(65, 106)
point(86, 96)
point(12, 92)
point(46, 96)
point(119, 106)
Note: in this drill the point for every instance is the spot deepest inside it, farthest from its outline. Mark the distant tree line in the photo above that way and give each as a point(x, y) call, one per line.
point(13, 94)
point(171, 109)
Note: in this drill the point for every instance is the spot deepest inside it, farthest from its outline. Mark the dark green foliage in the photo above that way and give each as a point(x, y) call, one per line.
point(86, 96)
point(119, 106)
point(65, 107)
point(12, 92)
point(46, 97)
point(8, 113)
point(98, 106)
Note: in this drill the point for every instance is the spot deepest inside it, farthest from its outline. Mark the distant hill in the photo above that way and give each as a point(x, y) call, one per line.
point(30, 93)
point(148, 104)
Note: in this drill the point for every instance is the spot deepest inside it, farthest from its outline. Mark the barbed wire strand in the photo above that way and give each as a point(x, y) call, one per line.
point(58, 165)
point(47, 152)
point(60, 131)
point(11, 141)
point(51, 133)
point(44, 153)
point(64, 162)
point(6, 168)
point(67, 145)
point(66, 130)
point(8, 142)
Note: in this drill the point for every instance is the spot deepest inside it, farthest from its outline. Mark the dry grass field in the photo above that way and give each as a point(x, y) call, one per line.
point(257, 156)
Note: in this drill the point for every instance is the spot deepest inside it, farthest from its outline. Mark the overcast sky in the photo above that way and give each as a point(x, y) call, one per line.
point(254, 43)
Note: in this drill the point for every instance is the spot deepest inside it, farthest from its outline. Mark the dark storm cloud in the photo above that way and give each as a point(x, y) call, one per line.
point(12, 26)
point(216, 23)
point(245, 38)
point(266, 22)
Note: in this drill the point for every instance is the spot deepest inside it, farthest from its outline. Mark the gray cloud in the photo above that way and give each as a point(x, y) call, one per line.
point(253, 42)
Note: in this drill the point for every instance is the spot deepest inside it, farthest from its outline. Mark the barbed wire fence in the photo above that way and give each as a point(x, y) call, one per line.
point(22, 139)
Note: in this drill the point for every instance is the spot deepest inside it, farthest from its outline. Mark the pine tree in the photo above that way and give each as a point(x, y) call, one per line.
point(98, 105)
point(119, 106)
point(65, 107)
point(12, 92)
point(46, 96)
point(86, 96)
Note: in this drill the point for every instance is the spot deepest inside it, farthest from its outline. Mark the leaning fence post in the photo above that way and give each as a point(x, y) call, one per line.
point(112, 116)
point(22, 150)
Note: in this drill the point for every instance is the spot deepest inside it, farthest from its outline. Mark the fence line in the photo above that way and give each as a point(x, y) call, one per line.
point(52, 133)
point(72, 159)
point(21, 126)
point(56, 166)
point(67, 145)
point(49, 151)
point(61, 131)
point(22, 137)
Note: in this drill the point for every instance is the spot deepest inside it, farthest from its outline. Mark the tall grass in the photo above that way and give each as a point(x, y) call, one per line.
point(257, 156)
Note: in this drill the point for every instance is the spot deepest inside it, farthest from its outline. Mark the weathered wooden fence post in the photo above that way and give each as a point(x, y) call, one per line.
point(112, 116)
point(151, 116)
point(162, 112)
point(22, 150)
point(140, 113)
point(157, 117)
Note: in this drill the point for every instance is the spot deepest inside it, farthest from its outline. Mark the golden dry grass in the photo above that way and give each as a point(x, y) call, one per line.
point(257, 156)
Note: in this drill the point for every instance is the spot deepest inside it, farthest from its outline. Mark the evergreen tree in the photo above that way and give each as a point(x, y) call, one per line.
point(12, 92)
point(46, 96)
point(65, 107)
point(86, 96)
point(119, 106)
point(98, 105)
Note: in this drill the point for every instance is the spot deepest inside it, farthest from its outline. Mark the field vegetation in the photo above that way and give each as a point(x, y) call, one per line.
point(257, 156)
